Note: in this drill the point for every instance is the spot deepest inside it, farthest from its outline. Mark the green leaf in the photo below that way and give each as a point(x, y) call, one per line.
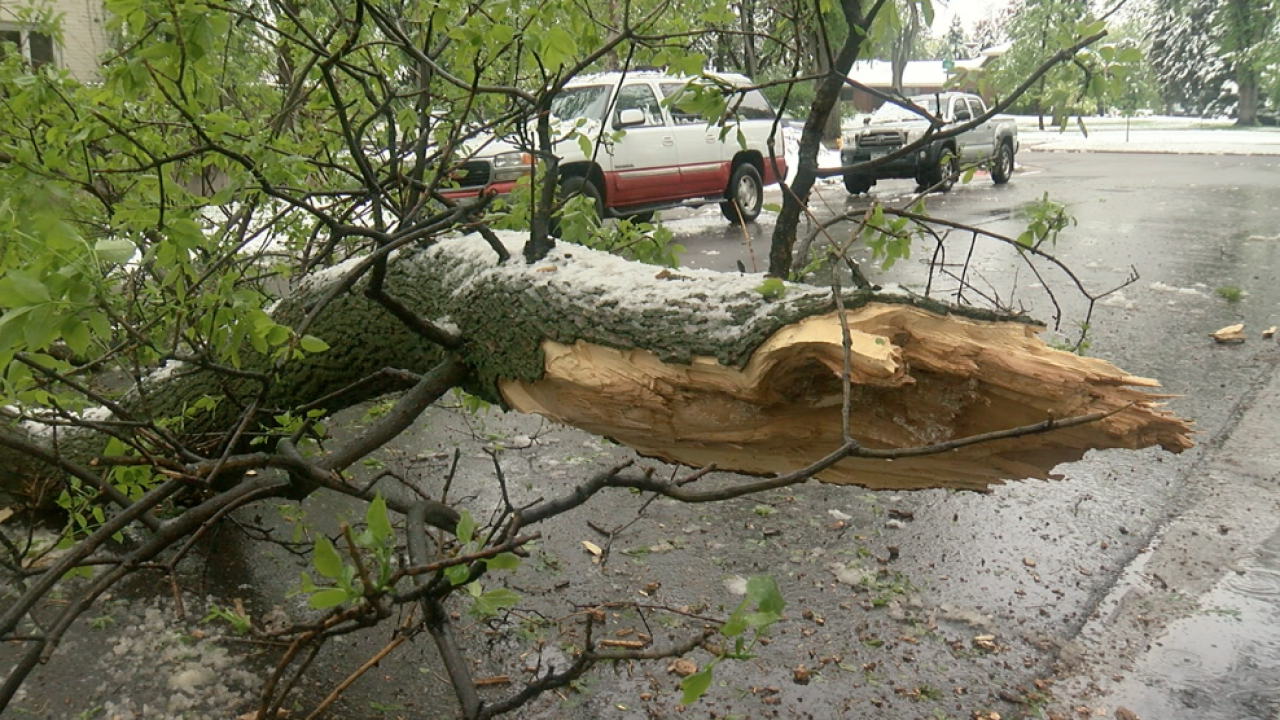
point(759, 620)
point(690, 64)
point(772, 289)
point(313, 344)
point(18, 288)
point(557, 47)
point(695, 685)
point(500, 34)
point(114, 250)
point(763, 590)
point(1130, 55)
point(502, 561)
point(466, 528)
point(491, 601)
point(75, 334)
point(737, 622)
point(326, 559)
point(376, 518)
point(39, 329)
point(331, 597)
point(11, 330)
point(457, 574)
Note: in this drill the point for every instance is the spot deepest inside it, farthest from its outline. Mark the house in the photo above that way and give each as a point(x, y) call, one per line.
point(84, 35)
point(919, 77)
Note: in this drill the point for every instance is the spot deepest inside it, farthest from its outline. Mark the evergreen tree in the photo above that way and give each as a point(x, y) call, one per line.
point(1210, 56)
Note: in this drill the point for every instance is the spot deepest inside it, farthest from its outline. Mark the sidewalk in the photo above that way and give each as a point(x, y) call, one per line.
point(1191, 136)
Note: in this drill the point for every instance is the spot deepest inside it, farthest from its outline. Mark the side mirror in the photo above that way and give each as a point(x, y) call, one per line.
point(630, 117)
point(963, 116)
point(866, 120)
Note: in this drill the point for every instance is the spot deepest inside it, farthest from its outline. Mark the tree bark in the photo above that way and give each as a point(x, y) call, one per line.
point(692, 366)
point(825, 100)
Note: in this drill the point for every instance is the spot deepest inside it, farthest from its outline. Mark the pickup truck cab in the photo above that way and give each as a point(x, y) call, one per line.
point(936, 165)
point(663, 158)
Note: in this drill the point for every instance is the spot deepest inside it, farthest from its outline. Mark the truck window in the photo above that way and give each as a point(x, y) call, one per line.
point(640, 97)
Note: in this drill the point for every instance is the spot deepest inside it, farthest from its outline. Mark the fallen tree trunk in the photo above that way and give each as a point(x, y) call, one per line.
point(698, 367)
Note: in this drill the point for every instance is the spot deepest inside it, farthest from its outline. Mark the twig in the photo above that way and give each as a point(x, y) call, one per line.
point(337, 691)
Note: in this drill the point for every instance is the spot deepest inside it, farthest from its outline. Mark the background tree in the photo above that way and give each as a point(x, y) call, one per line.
point(992, 29)
point(1210, 57)
point(955, 44)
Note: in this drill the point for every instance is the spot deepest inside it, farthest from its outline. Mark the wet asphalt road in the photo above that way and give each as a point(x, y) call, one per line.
point(1189, 226)
point(1036, 597)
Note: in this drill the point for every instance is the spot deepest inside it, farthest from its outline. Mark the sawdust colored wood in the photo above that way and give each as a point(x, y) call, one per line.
point(918, 378)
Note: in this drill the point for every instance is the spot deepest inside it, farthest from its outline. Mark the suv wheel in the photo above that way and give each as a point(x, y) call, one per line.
point(572, 186)
point(1002, 165)
point(745, 195)
point(576, 185)
point(856, 184)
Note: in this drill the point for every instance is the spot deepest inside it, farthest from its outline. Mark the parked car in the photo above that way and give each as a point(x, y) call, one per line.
point(935, 165)
point(664, 157)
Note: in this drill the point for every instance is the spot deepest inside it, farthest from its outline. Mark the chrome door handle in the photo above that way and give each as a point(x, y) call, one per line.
point(668, 140)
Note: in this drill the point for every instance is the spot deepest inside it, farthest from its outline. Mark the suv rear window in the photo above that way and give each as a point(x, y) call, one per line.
point(755, 107)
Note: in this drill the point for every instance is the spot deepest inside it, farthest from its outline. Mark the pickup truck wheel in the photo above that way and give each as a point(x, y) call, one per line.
point(942, 175)
point(745, 195)
point(856, 184)
point(1002, 164)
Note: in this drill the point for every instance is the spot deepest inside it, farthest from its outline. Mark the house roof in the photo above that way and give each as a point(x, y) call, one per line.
point(918, 73)
point(879, 73)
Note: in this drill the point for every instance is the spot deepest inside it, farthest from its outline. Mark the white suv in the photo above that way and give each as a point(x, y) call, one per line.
point(663, 158)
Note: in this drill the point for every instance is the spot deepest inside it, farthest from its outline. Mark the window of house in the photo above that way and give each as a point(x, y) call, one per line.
point(35, 47)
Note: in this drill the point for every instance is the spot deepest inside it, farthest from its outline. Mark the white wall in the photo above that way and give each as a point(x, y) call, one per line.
point(84, 37)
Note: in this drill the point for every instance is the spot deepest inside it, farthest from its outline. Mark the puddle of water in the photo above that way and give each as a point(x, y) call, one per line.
point(1222, 662)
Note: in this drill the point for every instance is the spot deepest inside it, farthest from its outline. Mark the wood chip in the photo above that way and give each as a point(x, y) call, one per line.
point(493, 680)
point(592, 548)
point(682, 667)
point(1229, 334)
point(629, 644)
point(1269, 333)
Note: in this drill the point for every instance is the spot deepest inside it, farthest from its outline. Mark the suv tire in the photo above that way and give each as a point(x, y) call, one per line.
point(572, 186)
point(745, 195)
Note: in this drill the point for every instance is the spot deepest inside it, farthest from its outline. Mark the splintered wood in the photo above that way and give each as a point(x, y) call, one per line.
point(917, 378)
